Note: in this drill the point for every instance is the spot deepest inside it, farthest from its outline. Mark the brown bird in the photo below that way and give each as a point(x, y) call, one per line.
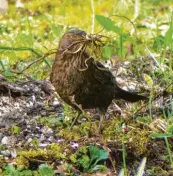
point(82, 82)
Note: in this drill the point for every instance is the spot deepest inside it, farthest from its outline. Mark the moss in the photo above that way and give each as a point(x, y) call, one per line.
point(50, 154)
point(136, 138)
point(76, 133)
point(112, 130)
point(137, 141)
point(159, 171)
point(73, 158)
point(35, 142)
point(2, 147)
point(2, 161)
point(15, 130)
point(81, 158)
point(69, 135)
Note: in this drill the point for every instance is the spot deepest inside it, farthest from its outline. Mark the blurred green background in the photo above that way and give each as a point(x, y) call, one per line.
point(38, 25)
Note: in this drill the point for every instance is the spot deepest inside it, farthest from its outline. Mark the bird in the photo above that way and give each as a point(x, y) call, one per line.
point(83, 82)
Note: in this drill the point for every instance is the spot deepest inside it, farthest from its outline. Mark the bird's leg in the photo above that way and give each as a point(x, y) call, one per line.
point(100, 123)
point(77, 107)
point(75, 120)
point(102, 117)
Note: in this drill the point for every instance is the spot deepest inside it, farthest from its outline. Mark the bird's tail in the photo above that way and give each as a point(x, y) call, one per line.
point(128, 96)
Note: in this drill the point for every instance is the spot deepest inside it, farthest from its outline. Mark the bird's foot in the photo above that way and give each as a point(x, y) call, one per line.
point(75, 120)
point(77, 117)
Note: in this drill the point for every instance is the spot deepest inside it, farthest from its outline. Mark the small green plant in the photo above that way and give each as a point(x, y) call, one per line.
point(15, 130)
point(124, 154)
point(51, 121)
point(89, 158)
point(69, 170)
point(109, 25)
point(26, 158)
point(44, 170)
point(11, 171)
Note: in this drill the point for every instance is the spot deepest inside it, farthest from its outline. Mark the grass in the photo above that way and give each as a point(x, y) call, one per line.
point(26, 34)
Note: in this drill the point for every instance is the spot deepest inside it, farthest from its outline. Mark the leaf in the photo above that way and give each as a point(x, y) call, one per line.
point(160, 135)
point(108, 52)
point(107, 23)
point(142, 167)
point(47, 63)
point(96, 155)
point(99, 168)
point(56, 30)
point(15, 130)
point(165, 157)
point(84, 162)
point(168, 36)
point(158, 42)
point(44, 170)
point(2, 65)
point(26, 173)
point(148, 80)
point(10, 170)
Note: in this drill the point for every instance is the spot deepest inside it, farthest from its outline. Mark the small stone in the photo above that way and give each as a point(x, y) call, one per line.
point(43, 145)
point(50, 139)
point(29, 140)
point(6, 158)
point(67, 118)
point(10, 140)
point(26, 132)
point(42, 137)
point(38, 128)
point(43, 113)
point(55, 102)
point(13, 153)
point(1, 136)
point(28, 126)
point(47, 130)
point(6, 153)
point(74, 145)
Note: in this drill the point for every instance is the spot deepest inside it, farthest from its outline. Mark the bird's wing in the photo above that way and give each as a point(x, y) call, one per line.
point(102, 74)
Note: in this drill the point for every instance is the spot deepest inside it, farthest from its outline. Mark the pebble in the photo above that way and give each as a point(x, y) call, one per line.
point(47, 130)
point(42, 137)
point(74, 145)
point(50, 139)
point(43, 145)
point(5, 140)
point(6, 153)
point(55, 102)
point(1, 136)
point(13, 153)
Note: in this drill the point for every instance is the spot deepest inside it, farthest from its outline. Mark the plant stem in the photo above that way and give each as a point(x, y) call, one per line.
point(93, 17)
point(124, 155)
point(20, 49)
point(169, 151)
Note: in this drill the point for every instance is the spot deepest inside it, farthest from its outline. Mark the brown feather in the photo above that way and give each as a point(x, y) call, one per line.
point(76, 74)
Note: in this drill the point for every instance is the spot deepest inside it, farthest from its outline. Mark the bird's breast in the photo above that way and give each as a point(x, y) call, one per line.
point(66, 76)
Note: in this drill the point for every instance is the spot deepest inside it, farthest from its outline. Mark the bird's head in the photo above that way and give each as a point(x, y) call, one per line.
point(71, 39)
point(77, 41)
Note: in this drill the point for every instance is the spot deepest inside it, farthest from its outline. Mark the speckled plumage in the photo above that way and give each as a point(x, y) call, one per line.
point(79, 80)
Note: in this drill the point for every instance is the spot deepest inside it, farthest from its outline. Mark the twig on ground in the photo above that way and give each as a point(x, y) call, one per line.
point(35, 61)
point(20, 49)
point(28, 66)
